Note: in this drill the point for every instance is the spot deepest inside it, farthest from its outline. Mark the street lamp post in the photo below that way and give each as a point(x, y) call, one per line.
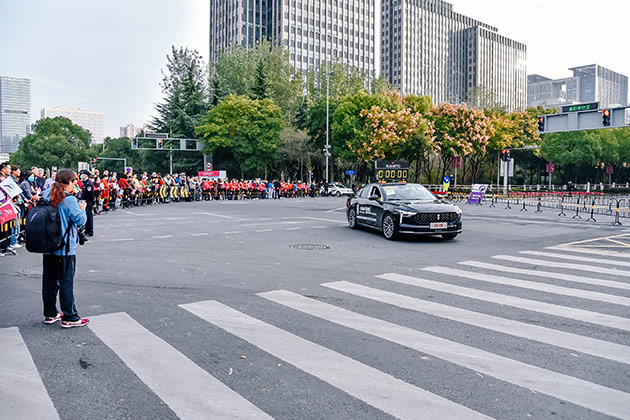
point(327, 149)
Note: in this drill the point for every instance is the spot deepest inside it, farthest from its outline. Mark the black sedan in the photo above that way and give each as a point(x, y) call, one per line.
point(397, 209)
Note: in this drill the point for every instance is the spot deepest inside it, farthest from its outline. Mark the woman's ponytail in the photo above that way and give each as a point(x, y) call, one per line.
point(57, 191)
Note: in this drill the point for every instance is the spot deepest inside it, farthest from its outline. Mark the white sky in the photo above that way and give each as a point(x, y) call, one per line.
point(106, 55)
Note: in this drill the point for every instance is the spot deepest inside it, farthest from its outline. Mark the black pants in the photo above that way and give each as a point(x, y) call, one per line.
point(58, 278)
point(89, 225)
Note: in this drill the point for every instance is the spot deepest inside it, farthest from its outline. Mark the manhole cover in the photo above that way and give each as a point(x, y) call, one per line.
point(309, 247)
point(30, 271)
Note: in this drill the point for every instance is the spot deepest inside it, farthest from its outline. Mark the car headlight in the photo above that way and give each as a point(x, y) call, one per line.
point(406, 213)
point(458, 210)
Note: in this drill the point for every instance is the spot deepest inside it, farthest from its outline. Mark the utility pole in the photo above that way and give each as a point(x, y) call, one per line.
point(170, 158)
point(327, 149)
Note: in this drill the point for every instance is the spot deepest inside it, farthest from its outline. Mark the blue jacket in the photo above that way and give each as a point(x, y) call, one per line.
point(69, 210)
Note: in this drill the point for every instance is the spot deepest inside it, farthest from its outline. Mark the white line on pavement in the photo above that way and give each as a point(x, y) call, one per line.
point(319, 227)
point(234, 231)
point(577, 391)
point(529, 305)
point(531, 285)
point(122, 239)
point(198, 234)
point(590, 251)
point(162, 237)
point(582, 344)
point(577, 258)
point(295, 228)
point(334, 210)
point(569, 266)
point(383, 391)
point(22, 392)
point(198, 395)
point(549, 274)
point(263, 230)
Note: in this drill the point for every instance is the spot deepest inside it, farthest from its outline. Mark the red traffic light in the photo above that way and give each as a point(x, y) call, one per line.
point(606, 112)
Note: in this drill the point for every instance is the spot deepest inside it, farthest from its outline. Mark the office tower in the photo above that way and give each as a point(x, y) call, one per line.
point(15, 112)
point(94, 122)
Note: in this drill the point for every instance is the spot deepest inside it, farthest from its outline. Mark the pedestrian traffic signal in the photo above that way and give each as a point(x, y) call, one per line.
point(505, 155)
point(606, 117)
point(160, 143)
point(541, 123)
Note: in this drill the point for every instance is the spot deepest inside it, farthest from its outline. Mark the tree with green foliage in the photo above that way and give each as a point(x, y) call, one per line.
point(249, 128)
point(575, 152)
point(238, 68)
point(54, 142)
point(336, 79)
point(185, 87)
point(260, 89)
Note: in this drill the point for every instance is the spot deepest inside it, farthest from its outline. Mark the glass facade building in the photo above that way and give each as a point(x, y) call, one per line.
point(94, 122)
point(312, 31)
point(429, 49)
point(419, 46)
point(592, 83)
point(15, 112)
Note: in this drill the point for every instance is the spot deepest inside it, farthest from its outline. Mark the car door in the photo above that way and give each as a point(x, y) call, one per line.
point(371, 209)
point(363, 206)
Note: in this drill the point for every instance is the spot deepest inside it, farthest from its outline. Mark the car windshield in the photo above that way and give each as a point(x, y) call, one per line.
point(408, 192)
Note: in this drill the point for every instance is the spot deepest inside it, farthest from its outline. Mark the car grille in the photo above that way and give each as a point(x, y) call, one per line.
point(435, 217)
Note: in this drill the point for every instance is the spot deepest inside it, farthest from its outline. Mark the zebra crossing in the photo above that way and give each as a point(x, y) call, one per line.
point(591, 291)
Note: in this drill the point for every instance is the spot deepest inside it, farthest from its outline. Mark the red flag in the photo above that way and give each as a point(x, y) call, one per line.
point(7, 213)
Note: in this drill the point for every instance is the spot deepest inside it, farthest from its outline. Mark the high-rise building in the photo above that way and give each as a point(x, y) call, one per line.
point(15, 112)
point(429, 49)
point(420, 46)
point(592, 83)
point(129, 130)
point(94, 122)
point(313, 31)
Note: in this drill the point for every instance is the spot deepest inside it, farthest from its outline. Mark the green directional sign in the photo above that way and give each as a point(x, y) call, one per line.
point(580, 107)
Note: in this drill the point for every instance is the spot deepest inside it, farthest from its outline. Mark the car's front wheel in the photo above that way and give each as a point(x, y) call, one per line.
point(449, 236)
point(352, 218)
point(338, 194)
point(390, 228)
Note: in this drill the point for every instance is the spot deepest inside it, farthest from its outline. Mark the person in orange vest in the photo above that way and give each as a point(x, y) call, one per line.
point(104, 187)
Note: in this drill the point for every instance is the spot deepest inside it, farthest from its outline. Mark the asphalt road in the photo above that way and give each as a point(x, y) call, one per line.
point(276, 309)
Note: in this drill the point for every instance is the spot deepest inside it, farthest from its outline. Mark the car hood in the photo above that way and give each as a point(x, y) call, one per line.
point(424, 206)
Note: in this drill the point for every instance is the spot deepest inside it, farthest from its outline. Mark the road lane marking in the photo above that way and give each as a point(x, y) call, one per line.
point(234, 231)
point(198, 395)
point(590, 251)
point(529, 305)
point(162, 237)
point(549, 274)
point(383, 391)
point(334, 210)
point(198, 234)
point(582, 344)
point(569, 266)
point(293, 228)
point(577, 258)
point(122, 239)
point(22, 392)
point(319, 227)
point(263, 230)
point(577, 391)
point(531, 285)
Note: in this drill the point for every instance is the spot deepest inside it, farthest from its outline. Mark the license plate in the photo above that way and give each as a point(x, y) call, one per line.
point(438, 225)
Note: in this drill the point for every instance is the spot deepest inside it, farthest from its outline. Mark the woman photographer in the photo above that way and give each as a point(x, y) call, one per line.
point(59, 267)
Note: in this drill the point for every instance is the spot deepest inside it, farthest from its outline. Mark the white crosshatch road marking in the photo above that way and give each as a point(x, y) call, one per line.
point(543, 287)
point(197, 396)
point(394, 396)
point(530, 305)
point(596, 397)
point(580, 343)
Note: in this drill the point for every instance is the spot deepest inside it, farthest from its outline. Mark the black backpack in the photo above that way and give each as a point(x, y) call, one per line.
point(43, 229)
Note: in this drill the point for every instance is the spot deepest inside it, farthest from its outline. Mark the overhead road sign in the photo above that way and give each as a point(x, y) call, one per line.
point(589, 119)
point(581, 107)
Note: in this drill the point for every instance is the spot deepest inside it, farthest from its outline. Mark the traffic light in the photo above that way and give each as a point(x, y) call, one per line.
point(606, 117)
point(541, 123)
point(505, 155)
point(134, 143)
point(160, 143)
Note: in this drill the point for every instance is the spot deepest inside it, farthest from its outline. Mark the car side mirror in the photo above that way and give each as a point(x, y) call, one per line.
point(374, 198)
